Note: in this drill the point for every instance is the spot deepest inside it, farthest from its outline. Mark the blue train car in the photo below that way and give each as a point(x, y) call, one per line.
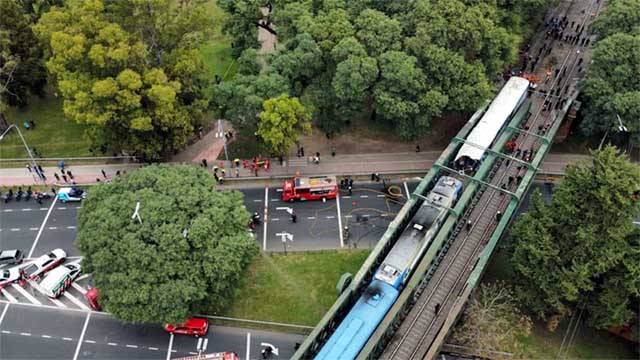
point(356, 328)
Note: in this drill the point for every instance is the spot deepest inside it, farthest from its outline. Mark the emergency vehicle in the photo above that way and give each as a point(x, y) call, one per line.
point(212, 356)
point(310, 188)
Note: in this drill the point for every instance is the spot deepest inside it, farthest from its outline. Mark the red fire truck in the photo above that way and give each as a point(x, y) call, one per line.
point(311, 188)
point(212, 356)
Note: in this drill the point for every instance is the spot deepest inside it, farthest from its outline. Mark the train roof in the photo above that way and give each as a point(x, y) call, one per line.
point(491, 122)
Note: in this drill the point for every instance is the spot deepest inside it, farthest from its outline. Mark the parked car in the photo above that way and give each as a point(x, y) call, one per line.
point(9, 276)
point(11, 257)
point(44, 263)
point(194, 326)
point(71, 194)
point(59, 279)
point(92, 298)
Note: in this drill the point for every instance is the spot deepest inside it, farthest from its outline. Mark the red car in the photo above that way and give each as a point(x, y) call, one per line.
point(193, 326)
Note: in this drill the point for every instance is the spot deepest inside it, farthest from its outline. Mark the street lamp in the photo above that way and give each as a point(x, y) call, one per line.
point(621, 128)
point(33, 161)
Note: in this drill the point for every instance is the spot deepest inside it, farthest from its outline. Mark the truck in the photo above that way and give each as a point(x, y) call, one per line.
point(310, 188)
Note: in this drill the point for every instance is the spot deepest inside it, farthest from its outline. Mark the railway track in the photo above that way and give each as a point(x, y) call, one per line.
point(421, 325)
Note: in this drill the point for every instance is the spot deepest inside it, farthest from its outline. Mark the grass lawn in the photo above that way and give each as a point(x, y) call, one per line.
point(298, 288)
point(53, 136)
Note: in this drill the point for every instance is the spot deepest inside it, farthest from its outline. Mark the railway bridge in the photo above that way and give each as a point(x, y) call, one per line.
point(435, 295)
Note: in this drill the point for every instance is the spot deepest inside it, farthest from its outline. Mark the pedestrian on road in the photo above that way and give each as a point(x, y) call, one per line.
point(437, 309)
point(294, 217)
point(62, 171)
point(204, 163)
point(104, 173)
point(64, 177)
point(498, 216)
point(55, 175)
point(469, 224)
point(29, 167)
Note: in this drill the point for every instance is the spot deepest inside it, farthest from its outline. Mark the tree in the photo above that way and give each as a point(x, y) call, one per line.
point(620, 16)
point(582, 249)
point(188, 248)
point(353, 82)
point(21, 69)
point(282, 122)
point(242, 24)
point(140, 92)
point(493, 321)
point(611, 88)
point(378, 32)
point(299, 62)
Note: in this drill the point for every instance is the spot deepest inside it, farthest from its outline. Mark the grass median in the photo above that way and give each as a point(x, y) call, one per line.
point(298, 288)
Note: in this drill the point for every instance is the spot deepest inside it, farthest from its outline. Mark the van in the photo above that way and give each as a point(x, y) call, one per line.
point(59, 279)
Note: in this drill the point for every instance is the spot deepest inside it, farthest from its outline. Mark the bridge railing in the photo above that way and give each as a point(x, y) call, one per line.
point(345, 301)
point(378, 341)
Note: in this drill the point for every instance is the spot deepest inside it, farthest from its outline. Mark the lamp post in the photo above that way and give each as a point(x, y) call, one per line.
point(33, 161)
point(621, 128)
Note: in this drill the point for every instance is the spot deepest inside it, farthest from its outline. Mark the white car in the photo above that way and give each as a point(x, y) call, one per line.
point(43, 264)
point(9, 276)
point(71, 194)
point(59, 279)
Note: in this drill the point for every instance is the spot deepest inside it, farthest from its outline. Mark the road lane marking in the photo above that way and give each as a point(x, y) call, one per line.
point(278, 190)
point(132, 346)
point(15, 229)
point(275, 219)
point(26, 209)
point(339, 221)
point(330, 217)
point(112, 344)
point(266, 217)
point(71, 227)
point(257, 200)
point(46, 336)
point(84, 331)
point(79, 288)
point(406, 188)
point(75, 300)
point(33, 229)
point(53, 227)
point(8, 210)
point(248, 354)
point(25, 334)
point(346, 197)
point(44, 208)
point(311, 217)
point(67, 339)
point(8, 296)
point(44, 222)
point(153, 348)
point(37, 287)
point(90, 341)
point(348, 216)
point(4, 312)
point(381, 196)
point(275, 199)
point(26, 294)
point(364, 196)
point(62, 208)
point(6, 332)
point(170, 346)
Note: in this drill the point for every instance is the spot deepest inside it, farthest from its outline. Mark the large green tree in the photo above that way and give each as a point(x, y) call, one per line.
point(188, 249)
point(583, 249)
point(335, 55)
point(22, 72)
point(611, 87)
point(130, 70)
point(282, 121)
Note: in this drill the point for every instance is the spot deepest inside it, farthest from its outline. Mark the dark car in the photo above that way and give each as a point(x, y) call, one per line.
point(11, 257)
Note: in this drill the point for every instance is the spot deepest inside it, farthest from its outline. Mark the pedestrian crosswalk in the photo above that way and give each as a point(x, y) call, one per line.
point(30, 293)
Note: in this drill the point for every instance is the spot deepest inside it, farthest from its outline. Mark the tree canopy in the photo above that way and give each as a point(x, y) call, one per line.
point(22, 72)
point(282, 121)
point(399, 64)
point(583, 249)
point(611, 87)
point(130, 69)
point(190, 248)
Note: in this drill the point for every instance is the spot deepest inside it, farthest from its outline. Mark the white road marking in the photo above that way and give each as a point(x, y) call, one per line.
point(33, 229)
point(275, 199)
point(347, 197)
point(37, 287)
point(174, 351)
point(248, 355)
point(4, 312)
point(193, 353)
point(57, 302)
point(8, 210)
point(26, 294)
point(44, 208)
point(330, 217)
point(256, 200)
point(75, 300)
point(44, 222)
point(79, 288)
point(153, 348)
point(26, 209)
point(265, 217)
point(84, 330)
point(71, 227)
point(46, 336)
point(25, 334)
point(78, 207)
point(278, 190)
point(112, 344)
point(67, 339)
point(311, 217)
point(348, 216)
point(6, 332)
point(8, 295)
point(381, 195)
point(132, 346)
point(275, 219)
point(82, 277)
point(170, 346)
point(364, 196)
point(406, 188)
point(90, 341)
point(62, 208)
point(15, 229)
point(53, 227)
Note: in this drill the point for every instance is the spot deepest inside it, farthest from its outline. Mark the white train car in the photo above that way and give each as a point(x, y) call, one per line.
point(494, 119)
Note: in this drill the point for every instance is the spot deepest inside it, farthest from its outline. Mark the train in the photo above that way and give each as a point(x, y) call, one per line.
point(502, 108)
point(381, 293)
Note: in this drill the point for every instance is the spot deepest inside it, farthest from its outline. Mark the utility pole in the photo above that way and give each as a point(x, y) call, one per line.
point(24, 142)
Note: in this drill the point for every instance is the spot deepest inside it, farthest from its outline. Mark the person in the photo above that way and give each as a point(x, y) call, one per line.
point(56, 176)
point(294, 217)
point(350, 190)
point(70, 174)
point(29, 167)
point(469, 224)
point(333, 151)
point(236, 161)
point(266, 352)
point(417, 148)
point(498, 215)
point(26, 125)
point(204, 163)
point(437, 308)
point(118, 173)
point(64, 177)
point(302, 152)
point(237, 172)
point(255, 169)
point(104, 173)
point(32, 123)
point(97, 180)
point(215, 169)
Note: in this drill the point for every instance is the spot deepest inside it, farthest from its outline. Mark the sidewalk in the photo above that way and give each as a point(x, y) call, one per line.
point(82, 174)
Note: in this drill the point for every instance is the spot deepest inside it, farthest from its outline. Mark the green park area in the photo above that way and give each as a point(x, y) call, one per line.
point(297, 288)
